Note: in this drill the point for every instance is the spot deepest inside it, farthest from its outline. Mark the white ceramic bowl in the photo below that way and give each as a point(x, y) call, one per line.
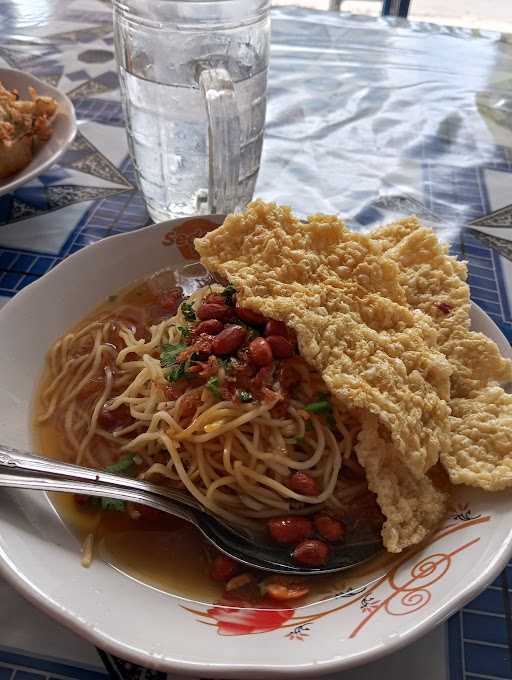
point(63, 125)
point(40, 556)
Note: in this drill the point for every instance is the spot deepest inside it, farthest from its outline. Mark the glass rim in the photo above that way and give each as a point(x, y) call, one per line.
point(263, 4)
point(211, 2)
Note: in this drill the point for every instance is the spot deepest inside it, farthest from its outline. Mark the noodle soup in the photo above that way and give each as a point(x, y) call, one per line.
point(202, 395)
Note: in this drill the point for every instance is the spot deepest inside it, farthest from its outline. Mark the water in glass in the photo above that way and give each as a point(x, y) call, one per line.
point(162, 46)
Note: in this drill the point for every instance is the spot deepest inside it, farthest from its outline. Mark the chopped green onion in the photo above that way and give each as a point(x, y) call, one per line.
point(228, 293)
point(113, 504)
point(309, 426)
point(245, 396)
point(213, 386)
point(122, 465)
point(185, 331)
point(170, 353)
point(318, 407)
point(179, 371)
point(299, 440)
point(188, 311)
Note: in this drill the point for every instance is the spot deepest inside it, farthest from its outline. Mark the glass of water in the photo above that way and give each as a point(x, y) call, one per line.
point(193, 77)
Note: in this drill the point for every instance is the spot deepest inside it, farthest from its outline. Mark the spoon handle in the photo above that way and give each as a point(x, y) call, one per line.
point(25, 471)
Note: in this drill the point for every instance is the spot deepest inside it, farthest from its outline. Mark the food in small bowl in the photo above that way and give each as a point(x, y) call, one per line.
point(24, 125)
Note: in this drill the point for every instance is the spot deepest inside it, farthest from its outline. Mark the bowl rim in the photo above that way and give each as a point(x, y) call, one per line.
point(372, 652)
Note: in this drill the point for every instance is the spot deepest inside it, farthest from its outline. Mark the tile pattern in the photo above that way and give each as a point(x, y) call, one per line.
point(17, 666)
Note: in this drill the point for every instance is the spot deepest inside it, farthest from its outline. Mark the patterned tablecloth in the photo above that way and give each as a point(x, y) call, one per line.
point(367, 118)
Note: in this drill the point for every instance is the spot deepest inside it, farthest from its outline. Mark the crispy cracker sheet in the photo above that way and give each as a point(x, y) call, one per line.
point(345, 302)
point(435, 282)
point(413, 507)
point(384, 318)
point(481, 450)
point(481, 421)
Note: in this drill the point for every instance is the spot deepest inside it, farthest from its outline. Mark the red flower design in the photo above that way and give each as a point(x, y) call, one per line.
point(244, 620)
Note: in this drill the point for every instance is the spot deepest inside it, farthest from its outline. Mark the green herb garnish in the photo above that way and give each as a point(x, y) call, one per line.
point(309, 426)
point(170, 353)
point(245, 396)
point(185, 331)
point(179, 371)
point(213, 386)
point(228, 293)
point(113, 504)
point(299, 440)
point(169, 359)
point(323, 406)
point(188, 311)
point(122, 465)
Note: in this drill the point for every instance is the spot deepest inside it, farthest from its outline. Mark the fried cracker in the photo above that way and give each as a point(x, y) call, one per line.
point(435, 282)
point(481, 451)
point(476, 362)
point(412, 507)
point(345, 301)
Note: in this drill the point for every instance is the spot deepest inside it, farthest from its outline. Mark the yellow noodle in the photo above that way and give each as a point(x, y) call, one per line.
point(234, 458)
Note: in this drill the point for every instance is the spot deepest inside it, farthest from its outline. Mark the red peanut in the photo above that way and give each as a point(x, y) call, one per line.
point(214, 311)
point(260, 353)
point(282, 589)
point(329, 527)
point(224, 568)
point(290, 530)
point(273, 327)
point(210, 327)
point(312, 553)
point(241, 582)
point(281, 347)
point(229, 340)
point(215, 298)
point(250, 316)
point(302, 483)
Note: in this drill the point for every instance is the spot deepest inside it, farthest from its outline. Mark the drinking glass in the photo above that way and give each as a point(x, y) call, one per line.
point(193, 77)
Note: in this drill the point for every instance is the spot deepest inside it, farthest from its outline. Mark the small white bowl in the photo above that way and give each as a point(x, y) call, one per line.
point(63, 125)
point(40, 556)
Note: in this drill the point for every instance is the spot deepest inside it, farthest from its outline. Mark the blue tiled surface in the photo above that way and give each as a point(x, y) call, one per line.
point(487, 629)
point(480, 635)
point(17, 666)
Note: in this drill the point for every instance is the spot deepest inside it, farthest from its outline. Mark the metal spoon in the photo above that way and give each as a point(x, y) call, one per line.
point(28, 471)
